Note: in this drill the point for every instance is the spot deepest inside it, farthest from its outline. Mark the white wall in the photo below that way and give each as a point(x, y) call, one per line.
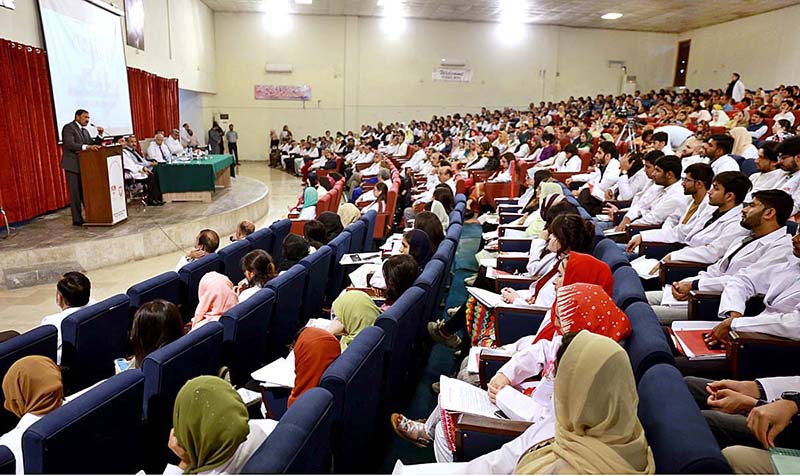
point(360, 74)
point(762, 48)
point(179, 39)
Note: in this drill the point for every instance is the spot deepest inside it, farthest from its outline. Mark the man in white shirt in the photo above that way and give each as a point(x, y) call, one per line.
point(735, 88)
point(717, 148)
point(781, 290)
point(769, 175)
point(185, 137)
point(786, 112)
point(677, 136)
point(671, 200)
point(207, 242)
point(158, 150)
point(604, 175)
point(709, 236)
point(766, 246)
point(661, 142)
point(174, 142)
point(643, 200)
point(73, 293)
point(141, 170)
point(789, 162)
point(757, 127)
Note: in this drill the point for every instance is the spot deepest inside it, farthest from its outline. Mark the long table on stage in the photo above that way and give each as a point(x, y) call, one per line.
point(195, 180)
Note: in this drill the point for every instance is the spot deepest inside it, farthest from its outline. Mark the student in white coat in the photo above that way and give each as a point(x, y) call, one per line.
point(645, 198)
point(717, 149)
point(708, 239)
point(781, 290)
point(789, 162)
point(32, 388)
point(769, 175)
point(668, 206)
point(601, 178)
point(766, 246)
point(73, 293)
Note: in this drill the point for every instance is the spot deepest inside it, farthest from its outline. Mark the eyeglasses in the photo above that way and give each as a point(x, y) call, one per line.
point(687, 179)
point(785, 156)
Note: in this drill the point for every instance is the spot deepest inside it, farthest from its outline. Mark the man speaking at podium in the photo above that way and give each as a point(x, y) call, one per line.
point(76, 138)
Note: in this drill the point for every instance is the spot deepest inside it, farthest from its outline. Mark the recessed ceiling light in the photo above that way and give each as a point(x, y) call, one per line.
point(304, 2)
point(612, 16)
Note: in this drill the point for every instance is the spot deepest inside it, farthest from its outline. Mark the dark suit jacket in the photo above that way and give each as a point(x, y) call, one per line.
point(73, 142)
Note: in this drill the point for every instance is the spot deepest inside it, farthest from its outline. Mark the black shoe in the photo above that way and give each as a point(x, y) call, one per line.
point(77, 223)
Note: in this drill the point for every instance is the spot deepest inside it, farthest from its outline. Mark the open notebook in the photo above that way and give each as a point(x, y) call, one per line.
point(279, 373)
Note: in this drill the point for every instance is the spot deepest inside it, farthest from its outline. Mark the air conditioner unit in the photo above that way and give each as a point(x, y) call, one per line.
point(279, 68)
point(457, 62)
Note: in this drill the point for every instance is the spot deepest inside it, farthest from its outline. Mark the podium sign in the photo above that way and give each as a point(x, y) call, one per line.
point(103, 186)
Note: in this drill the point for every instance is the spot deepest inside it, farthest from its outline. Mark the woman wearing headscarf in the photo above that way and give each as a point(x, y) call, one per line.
point(743, 143)
point(294, 248)
point(417, 244)
point(314, 351)
point(349, 214)
point(430, 224)
point(211, 433)
point(332, 223)
point(32, 388)
point(577, 307)
point(215, 296)
point(308, 210)
point(550, 193)
point(354, 311)
point(597, 435)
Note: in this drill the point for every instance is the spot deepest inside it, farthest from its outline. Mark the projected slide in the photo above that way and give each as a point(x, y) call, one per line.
point(86, 56)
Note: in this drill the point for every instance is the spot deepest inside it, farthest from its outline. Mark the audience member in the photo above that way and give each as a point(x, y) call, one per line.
point(353, 311)
point(294, 248)
point(155, 324)
point(314, 351)
point(207, 242)
point(258, 268)
point(73, 293)
point(215, 296)
point(244, 229)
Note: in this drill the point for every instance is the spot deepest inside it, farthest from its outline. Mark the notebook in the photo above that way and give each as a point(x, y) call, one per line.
point(643, 265)
point(689, 335)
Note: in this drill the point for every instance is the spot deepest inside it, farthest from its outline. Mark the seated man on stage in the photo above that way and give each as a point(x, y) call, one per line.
point(158, 150)
point(174, 142)
point(140, 170)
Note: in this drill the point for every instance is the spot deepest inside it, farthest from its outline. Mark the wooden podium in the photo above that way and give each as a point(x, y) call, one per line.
point(103, 185)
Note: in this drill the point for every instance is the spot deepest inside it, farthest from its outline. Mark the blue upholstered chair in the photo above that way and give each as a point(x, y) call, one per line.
point(165, 372)
point(455, 218)
point(287, 313)
point(611, 254)
point(42, 340)
point(231, 257)
point(261, 240)
point(245, 335)
point(454, 232)
point(355, 380)
point(166, 286)
point(369, 220)
point(317, 266)
point(647, 345)
point(301, 443)
point(280, 229)
point(339, 247)
point(190, 276)
point(91, 338)
point(678, 434)
point(98, 432)
point(8, 464)
point(627, 288)
point(358, 232)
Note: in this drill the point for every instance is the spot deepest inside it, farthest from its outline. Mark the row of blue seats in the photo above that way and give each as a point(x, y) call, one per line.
point(237, 340)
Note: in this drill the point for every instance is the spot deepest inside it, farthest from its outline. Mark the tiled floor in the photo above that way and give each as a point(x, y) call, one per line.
point(23, 309)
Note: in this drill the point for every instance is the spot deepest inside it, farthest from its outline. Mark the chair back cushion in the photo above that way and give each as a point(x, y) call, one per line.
point(190, 276)
point(287, 313)
point(317, 267)
point(245, 335)
point(231, 257)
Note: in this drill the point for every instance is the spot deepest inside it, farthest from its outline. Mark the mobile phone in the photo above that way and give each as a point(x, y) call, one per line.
point(121, 364)
point(355, 258)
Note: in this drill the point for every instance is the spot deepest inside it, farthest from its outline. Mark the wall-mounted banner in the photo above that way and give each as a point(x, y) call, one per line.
point(454, 75)
point(285, 93)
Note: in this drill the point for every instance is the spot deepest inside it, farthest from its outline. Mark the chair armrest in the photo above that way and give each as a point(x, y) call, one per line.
point(658, 249)
point(619, 203)
point(478, 435)
point(753, 355)
point(672, 271)
point(634, 229)
point(703, 306)
point(506, 217)
point(502, 228)
point(488, 365)
point(510, 265)
point(514, 244)
point(514, 282)
point(513, 323)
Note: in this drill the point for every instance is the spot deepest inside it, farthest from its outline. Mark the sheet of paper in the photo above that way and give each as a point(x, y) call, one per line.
point(248, 396)
point(490, 235)
point(516, 405)
point(694, 325)
point(359, 276)
point(474, 357)
point(602, 217)
point(461, 397)
point(643, 265)
point(612, 232)
point(669, 300)
point(279, 373)
point(360, 258)
point(512, 233)
point(487, 298)
point(320, 323)
point(488, 262)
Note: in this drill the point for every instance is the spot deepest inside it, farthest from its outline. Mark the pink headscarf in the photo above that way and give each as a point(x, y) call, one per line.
point(215, 296)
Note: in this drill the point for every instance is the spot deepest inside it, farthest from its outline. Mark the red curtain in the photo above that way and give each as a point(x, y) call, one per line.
point(154, 103)
point(31, 179)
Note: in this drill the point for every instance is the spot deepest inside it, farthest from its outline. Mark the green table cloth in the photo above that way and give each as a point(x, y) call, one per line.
point(194, 175)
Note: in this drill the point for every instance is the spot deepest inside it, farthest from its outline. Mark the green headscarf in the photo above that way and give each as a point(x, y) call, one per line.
point(357, 311)
point(545, 190)
point(310, 197)
point(210, 422)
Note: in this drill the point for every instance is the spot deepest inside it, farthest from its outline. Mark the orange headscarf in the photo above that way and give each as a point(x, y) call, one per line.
point(33, 385)
point(581, 268)
point(313, 353)
point(584, 306)
point(215, 296)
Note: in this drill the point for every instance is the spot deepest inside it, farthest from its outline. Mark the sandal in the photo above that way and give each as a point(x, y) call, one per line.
point(410, 430)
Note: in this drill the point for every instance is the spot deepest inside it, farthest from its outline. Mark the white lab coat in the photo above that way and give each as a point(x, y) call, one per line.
point(600, 182)
point(738, 91)
point(765, 181)
point(781, 290)
point(643, 199)
point(770, 250)
point(726, 163)
point(677, 135)
point(629, 186)
point(791, 185)
point(132, 164)
point(13, 439)
point(671, 201)
point(173, 145)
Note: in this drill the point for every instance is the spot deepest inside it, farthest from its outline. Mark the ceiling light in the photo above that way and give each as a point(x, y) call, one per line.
point(612, 16)
point(304, 2)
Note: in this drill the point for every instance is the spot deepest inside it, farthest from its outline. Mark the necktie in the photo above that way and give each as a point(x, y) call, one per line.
point(714, 217)
point(690, 212)
point(87, 139)
point(161, 148)
point(727, 261)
